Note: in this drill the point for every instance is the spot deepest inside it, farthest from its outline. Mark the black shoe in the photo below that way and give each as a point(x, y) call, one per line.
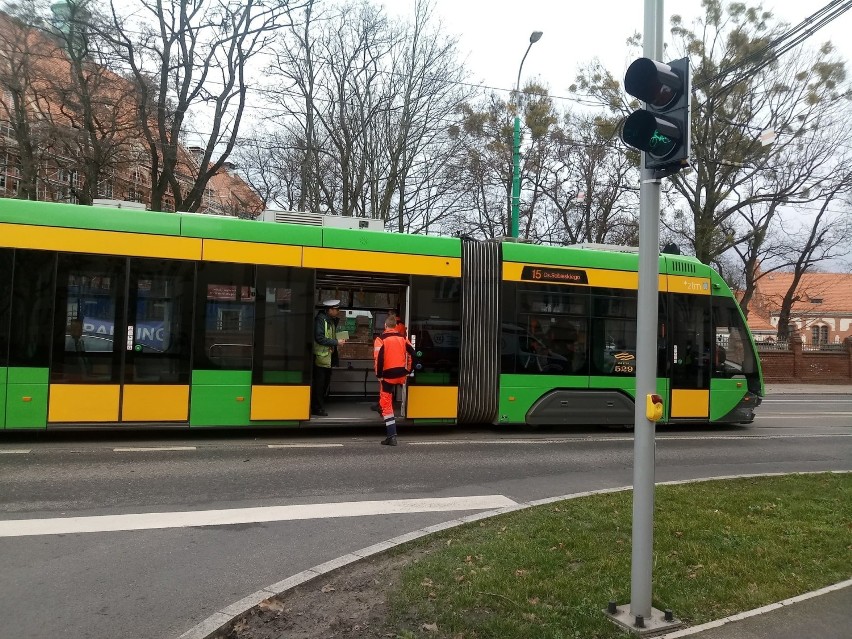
point(389, 441)
point(376, 408)
point(320, 413)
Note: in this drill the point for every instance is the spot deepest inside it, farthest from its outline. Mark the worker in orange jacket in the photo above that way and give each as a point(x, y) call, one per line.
point(393, 355)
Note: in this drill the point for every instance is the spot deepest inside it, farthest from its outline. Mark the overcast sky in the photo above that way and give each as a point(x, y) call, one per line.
point(494, 34)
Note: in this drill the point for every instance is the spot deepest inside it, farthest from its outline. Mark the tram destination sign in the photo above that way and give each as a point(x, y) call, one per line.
point(554, 275)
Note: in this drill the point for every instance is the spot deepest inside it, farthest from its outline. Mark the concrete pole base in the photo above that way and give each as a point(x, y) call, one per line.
point(656, 625)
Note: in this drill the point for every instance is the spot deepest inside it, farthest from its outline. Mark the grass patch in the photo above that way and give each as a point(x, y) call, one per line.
point(720, 547)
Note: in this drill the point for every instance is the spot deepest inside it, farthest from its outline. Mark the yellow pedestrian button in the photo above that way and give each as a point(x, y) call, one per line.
point(654, 407)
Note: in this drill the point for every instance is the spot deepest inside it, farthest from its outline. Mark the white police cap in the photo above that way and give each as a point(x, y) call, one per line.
point(331, 303)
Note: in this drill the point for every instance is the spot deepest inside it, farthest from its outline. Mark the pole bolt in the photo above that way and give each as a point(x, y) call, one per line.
point(668, 615)
point(640, 621)
point(611, 608)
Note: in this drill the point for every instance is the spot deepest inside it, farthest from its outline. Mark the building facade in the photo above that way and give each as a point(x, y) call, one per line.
point(45, 138)
point(821, 313)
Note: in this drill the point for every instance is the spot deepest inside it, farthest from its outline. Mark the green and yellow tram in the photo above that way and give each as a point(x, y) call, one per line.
point(114, 317)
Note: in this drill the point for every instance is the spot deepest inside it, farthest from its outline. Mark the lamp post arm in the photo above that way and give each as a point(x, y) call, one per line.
point(518, 82)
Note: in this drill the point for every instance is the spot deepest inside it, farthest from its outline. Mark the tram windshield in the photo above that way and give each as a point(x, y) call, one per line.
point(734, 353)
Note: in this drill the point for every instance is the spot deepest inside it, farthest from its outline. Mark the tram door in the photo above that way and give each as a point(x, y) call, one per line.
point(691, 341)
point(121, 340)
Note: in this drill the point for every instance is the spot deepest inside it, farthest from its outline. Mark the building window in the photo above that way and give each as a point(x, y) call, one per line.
point(819, 335)
point(105, 188)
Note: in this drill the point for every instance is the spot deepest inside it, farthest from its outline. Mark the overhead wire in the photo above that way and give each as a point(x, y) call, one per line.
point(784, 42)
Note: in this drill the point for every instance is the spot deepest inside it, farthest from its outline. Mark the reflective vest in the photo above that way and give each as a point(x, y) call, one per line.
point(322, 354)
point(392, 354)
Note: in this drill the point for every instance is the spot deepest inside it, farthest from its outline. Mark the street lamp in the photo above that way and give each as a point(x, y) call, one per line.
point(535, 36)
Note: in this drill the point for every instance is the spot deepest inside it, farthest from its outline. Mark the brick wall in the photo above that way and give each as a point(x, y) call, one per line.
point(815, 367)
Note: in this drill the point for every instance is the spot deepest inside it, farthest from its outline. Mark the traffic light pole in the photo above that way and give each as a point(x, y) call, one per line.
point(660, 129)
point(646, 357)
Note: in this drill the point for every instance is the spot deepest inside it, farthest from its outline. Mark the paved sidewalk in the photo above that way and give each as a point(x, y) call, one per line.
point(802, 389)
point(825, 616)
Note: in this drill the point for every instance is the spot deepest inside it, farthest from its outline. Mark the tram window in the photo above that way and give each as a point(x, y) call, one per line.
point(614, 303)
point(435, 316)
point(89, 302)
point(733, 354)
point(225, 315)
point(613, 347)
point(614, 332)
point(32, 308)
point(6, 256)
point(554, 299)
point(161, 316)
point(545, 330)
point(285, 320)
point(691, 341)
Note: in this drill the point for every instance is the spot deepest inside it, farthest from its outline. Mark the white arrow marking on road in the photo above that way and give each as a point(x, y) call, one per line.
point(149, 521)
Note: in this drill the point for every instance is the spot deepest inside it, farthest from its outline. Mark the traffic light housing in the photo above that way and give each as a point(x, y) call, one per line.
point(661, 129)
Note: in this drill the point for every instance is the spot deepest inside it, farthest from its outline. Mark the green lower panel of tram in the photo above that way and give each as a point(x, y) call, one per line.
point(568, 399)
point(518, 393)
point(24, 396)
point(725, 396)
point(220, 398)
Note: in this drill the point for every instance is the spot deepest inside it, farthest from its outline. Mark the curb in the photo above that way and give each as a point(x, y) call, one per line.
point(218, 620)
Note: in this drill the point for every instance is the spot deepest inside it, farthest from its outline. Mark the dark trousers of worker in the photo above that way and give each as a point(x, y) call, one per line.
point(319, 387)
point(386, 390)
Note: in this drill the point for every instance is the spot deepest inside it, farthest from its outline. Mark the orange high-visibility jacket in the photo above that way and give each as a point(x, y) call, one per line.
point(392, 354)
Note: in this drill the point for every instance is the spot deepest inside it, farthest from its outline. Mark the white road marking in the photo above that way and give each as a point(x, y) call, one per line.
point(14, 451)
point(149, 521)
point(152, 448)
point(450, 442)
point(619, 438)
point(303, 445)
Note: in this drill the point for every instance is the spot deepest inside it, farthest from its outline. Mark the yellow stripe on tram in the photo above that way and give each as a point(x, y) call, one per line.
point(375, 262)
point(601, 278)
point(251, 253)
point(51, 238)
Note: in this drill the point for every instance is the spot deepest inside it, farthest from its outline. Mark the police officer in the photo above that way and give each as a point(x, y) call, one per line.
point(325, 354)
point(393, 356)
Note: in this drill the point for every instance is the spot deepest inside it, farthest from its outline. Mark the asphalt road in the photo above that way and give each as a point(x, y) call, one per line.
point(159, 582)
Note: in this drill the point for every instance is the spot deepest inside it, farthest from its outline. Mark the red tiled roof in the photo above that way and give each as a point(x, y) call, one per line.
point(817, 292)
point(757, 322)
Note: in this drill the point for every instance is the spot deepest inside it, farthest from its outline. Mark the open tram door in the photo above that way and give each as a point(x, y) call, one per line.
point(366, 299)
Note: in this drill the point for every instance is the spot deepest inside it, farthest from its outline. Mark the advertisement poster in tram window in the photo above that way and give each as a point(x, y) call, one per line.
point(98, 335)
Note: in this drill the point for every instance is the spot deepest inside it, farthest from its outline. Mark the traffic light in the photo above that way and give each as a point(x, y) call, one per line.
point(661, 129)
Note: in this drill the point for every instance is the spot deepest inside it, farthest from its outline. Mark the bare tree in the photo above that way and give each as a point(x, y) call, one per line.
point(587, 184)
point(90, 105)
point(801, 98)
point(184, 55)
point(367, 101)
point(826, 237)
point(483, 168)
point(22, 56)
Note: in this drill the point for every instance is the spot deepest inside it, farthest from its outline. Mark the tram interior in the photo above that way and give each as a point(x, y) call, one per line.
point(365, 302)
